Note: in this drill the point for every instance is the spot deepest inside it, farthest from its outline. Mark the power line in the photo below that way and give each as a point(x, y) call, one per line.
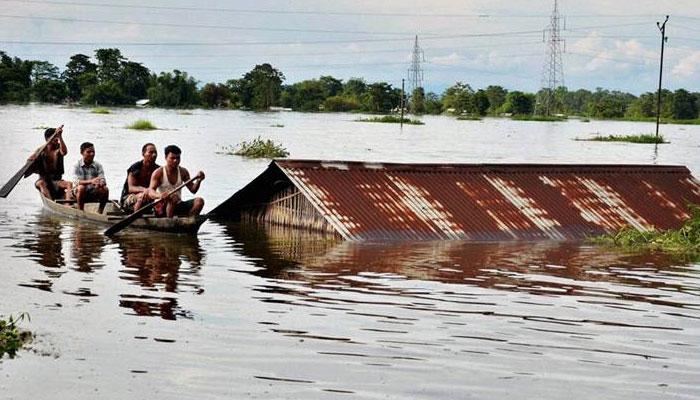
point(205, 26)
point(260, 43)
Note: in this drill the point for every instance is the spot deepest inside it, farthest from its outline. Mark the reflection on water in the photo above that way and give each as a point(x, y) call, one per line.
point(540, 268)
point(159, 263)
point(155, 262)
point(567, 295)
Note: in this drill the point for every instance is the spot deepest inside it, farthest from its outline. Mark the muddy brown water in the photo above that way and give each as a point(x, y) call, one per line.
point(242, 311)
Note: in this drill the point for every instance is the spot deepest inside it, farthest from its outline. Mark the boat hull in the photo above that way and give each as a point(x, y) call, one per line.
point(113, 214)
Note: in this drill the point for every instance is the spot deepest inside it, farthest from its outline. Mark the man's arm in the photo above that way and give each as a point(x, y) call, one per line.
point(192, 186)
point(156, 177)
point(133, 183)
point(63, 148)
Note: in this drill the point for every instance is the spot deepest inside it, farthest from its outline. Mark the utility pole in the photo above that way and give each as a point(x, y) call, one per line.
point(402, 103)
point(415, 71)
point(553, 68)
point(664, 39)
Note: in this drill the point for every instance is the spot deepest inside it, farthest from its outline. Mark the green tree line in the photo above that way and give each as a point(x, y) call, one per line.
point(109, 78)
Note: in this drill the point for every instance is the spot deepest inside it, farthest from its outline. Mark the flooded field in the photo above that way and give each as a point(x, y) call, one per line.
point(242, 311)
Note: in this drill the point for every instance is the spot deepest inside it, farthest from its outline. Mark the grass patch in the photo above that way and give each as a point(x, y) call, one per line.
point(643, 138)
point(276, 126)
point(685, 240)
point(100, 110)
point(11, 337)
point(142, 125)
point(541, 118)
point(257, 148)
point(469, 118)
point(392, 119)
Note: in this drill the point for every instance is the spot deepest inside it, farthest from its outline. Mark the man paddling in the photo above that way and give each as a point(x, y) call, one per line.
point(49, 166)
point(135, 192)
point(90, 184)
point(171, 175)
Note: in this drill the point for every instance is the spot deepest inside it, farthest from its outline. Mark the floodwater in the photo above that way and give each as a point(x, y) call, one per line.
point(267, 313)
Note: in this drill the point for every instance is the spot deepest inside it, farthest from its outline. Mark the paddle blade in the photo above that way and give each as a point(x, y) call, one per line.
point(126, 221)
point(7, 188)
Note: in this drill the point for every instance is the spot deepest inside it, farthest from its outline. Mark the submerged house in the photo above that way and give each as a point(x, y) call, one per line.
point(363, 201)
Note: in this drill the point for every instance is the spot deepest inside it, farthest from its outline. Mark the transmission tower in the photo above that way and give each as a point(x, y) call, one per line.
point(415, 71)
point(553, 70)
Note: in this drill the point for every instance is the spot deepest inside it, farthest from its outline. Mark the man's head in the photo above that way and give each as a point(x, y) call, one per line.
point(87, 150)
point(149, 153)
point(47, 135)
point(172, 156)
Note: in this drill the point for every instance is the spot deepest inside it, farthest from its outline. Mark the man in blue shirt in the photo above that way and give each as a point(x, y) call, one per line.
point(89, 184)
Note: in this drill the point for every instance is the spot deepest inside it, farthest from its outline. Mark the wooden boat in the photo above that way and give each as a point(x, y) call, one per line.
point(112, 214)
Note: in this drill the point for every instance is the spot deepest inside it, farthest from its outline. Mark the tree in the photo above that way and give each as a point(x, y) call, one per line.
point(683, 105)
point(47, 86)
point(134, 79)
point(355, 87)
point(433, 104)
point(380, 97)
point(215, 95)
point(306, 95)
point(459, 99)
point(519, 103)
point(80, 73)
point(418, 101)
point(497, 97)
point(331, 86)
point(15, 79)
point(175, 89)
point(109, 64)
point(481, 102)
point(261, 87)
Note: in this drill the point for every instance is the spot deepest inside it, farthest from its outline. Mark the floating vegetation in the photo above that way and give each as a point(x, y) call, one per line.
point(100, 110)
point(541, 118)
point(11, 337)
point(585, 120)
point(643, 138)
point(469, 118)
point(185, 113)
point(257, 148)
point(276, 126)
point(42, 127)
point(392, 119)
point(142, 125)
point(684, 240)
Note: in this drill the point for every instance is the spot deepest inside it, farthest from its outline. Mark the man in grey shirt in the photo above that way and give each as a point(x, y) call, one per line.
point(89, 183)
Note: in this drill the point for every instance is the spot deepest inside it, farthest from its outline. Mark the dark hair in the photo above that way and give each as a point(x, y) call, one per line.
point(172, 149)
point(48, 132)
point(85, 146)
point(143, 149)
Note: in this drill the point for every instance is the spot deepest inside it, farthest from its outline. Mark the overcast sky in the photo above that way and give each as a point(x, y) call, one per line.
point(612, 44)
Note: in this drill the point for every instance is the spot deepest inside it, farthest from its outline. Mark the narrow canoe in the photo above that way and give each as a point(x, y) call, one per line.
point(112, 214)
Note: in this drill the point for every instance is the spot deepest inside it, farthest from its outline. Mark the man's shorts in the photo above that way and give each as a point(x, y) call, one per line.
point(181, 209)
point(90, 190)
point(52, 184)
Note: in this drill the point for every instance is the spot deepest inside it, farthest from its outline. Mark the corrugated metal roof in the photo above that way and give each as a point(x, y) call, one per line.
point(382, 201)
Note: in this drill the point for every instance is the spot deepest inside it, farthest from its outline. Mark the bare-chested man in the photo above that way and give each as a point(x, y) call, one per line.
point(49, 167)
point(135, 192)
point(171, 175)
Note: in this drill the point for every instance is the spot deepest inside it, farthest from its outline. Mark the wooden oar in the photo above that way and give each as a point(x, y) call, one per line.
point(5, 191)
point(136, 214)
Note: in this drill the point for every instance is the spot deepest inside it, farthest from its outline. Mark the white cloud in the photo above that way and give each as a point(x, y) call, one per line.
point(687, 66)
point(452, 59)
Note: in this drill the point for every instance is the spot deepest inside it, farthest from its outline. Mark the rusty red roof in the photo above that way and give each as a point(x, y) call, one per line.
point(383, 201)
